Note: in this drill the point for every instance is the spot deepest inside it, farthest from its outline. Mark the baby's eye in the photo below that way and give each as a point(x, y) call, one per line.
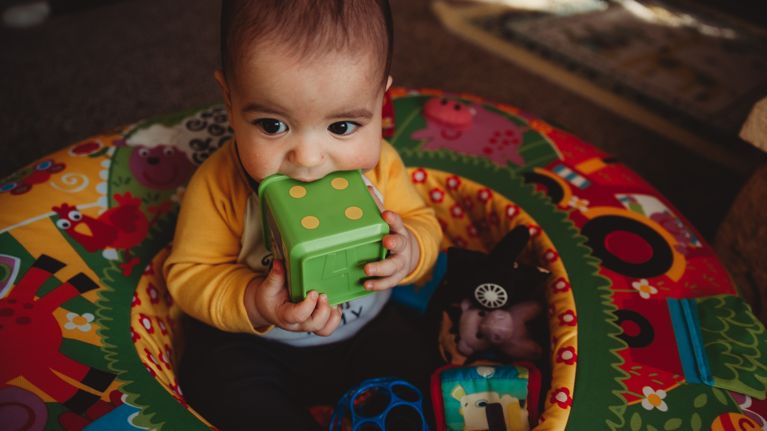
point(343, 128)
point(271, 126)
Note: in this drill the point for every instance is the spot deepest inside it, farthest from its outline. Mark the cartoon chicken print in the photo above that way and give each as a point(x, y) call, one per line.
point(121, 227)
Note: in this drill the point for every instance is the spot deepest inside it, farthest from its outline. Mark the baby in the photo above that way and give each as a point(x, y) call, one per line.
point(303, 82)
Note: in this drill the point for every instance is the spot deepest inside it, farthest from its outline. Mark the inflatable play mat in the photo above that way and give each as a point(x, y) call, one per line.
point(644, 329)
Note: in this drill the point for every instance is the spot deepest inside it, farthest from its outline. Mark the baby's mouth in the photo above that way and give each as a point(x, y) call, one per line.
point(307, 178)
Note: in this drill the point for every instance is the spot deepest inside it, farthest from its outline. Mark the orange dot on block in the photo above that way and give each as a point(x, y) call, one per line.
point(297, 192)
point(310, 222)
point(339, 183)
point(353, 213)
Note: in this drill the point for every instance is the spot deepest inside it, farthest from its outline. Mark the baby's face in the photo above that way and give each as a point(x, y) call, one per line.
point(303, 118)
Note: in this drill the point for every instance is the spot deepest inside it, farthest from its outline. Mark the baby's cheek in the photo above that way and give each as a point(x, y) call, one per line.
point(368, 161)
point(369, 151)
point(260, 166)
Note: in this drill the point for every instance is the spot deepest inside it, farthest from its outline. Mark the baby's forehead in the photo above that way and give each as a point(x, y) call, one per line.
point(302, 56)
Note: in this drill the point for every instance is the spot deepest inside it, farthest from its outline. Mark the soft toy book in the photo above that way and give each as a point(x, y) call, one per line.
point(494, 310)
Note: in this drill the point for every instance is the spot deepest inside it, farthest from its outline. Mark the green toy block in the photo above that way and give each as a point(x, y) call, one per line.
point(325, 232)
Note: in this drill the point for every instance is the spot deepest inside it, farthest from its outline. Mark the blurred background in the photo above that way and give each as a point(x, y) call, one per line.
point(88, 66)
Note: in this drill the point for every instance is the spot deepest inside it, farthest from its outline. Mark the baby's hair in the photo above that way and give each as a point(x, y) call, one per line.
point(306, 28)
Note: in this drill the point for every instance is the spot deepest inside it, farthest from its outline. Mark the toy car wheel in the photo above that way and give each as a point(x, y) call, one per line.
point(491, 295)
point(657, 260)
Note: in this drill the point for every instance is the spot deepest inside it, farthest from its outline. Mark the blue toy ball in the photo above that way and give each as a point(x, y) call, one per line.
point(381, 404)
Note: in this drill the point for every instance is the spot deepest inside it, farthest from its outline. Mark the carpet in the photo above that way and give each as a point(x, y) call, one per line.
point(685, 72)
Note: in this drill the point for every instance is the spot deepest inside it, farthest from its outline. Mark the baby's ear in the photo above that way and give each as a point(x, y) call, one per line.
point(221, 80)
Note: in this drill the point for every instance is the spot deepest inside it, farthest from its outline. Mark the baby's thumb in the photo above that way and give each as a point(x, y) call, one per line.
point(275, 280)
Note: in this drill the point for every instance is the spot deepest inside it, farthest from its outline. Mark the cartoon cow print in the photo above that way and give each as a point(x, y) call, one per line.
point(162, 167)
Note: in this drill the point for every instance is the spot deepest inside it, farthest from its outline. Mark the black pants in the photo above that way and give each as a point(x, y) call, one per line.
point(244, 382)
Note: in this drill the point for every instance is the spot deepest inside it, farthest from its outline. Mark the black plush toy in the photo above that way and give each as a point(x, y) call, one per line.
point(491, 303)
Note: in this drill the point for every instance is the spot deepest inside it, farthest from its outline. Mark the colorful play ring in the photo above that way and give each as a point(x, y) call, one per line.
point(87, 327)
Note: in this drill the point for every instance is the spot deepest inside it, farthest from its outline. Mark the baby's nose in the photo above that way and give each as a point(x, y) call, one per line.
point(307, 154)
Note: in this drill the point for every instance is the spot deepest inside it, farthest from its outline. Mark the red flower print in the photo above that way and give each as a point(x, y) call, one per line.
point(146, 322)
point(176, 390)
point(456, 211)
point(453, 182)
point(151, 357)
point(136, 300)
point(150, 370)
point(163, 326)
point(567, 355)
point(551, 255)
point(134, 336)
point(436, 195)
point(168, 353)
point(511, 211)
point(568, 318)
point(154, 294)
point(419, 176)
point(165, 359)
point(467, 204)
point(472, 231)
point(484, 194)
point(562, 398)
point(560, 285)
point(534, 230)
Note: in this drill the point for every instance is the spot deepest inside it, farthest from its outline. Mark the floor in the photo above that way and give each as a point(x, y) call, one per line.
point(84, 72)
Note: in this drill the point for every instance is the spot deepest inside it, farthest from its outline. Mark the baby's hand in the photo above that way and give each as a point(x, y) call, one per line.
point(268, 303)
point(403, 256)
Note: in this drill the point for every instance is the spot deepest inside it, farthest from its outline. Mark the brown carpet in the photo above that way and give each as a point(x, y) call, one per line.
point(81, 73)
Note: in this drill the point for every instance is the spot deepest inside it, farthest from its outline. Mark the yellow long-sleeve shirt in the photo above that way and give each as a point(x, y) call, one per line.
point(218, 248)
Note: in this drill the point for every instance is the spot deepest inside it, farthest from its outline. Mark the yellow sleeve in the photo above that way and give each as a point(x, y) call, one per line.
point(392, 179)
point(202, 272)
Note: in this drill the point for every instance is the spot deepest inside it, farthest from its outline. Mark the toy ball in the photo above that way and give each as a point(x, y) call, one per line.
point(380, 404)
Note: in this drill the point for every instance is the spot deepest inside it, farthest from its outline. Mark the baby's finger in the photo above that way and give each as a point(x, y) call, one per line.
point(395, 243)
point(274, 283)
point(394, 221)
point(382, 283)
point(319, 316)
point(298, 313)
point(385, 268)
point(331, 324)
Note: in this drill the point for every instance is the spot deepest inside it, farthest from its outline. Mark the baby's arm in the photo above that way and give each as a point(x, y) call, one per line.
point(203, 273)
point(415, 235)
point(268, 303)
